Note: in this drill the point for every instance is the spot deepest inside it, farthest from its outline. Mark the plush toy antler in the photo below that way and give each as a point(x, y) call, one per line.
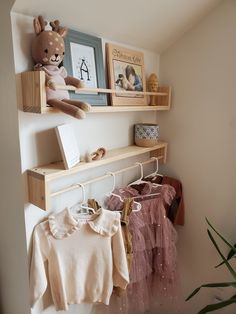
point(48, 50)
point(55, 25)
point(57, 28)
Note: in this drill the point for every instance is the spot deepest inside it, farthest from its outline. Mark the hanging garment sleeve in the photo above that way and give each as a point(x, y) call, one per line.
point(38, 278)
point(176, 208)
point(127, 238)
point(120, 267)
point(127, 209)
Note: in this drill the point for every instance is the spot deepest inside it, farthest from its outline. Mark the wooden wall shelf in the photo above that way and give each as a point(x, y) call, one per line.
point(40, 178)
point(32, 96)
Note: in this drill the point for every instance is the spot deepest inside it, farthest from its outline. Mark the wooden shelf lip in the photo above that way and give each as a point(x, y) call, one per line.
point(103, 109)
point(110, 109)
point(56, 170)
point(107, 91)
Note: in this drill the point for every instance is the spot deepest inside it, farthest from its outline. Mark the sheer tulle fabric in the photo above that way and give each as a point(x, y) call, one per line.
point(154, 266)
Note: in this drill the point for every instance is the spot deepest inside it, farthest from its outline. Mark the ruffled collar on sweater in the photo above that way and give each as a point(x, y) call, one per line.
point(64, 223)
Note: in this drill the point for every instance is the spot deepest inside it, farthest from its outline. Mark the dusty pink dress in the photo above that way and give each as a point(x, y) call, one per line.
point(154, 267)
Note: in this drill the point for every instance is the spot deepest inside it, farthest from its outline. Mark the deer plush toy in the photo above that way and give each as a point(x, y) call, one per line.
point(48, 50)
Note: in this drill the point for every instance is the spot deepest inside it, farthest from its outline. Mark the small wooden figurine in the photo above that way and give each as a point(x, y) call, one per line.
point(98, 154)
point(153, 87)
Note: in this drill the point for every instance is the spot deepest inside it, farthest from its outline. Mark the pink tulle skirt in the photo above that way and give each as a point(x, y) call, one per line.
point(153, 273)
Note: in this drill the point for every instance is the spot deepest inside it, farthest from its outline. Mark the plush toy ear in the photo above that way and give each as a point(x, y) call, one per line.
point(39, 24)
point(62, 31)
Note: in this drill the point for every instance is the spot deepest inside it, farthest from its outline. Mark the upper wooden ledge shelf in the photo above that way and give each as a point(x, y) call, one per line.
point(31, 93)
point(39, 178)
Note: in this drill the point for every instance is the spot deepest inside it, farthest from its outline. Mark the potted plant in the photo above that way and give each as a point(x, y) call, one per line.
point(225, 261)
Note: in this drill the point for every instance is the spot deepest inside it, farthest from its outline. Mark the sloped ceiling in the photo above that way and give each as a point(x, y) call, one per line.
point(152, 24)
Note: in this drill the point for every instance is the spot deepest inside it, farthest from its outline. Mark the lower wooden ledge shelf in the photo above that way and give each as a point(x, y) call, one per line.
point(39, 178)
point(31, 94)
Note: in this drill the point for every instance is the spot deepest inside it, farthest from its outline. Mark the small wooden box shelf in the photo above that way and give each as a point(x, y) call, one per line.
point(39, 178)
point(32, 96)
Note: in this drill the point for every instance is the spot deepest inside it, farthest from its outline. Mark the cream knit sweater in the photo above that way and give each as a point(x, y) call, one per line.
point(85, 259)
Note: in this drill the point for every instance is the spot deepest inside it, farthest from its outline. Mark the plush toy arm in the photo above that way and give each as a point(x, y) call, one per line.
point(48, 79)
point(70, 80)
point(49, 82)
point(38, 67)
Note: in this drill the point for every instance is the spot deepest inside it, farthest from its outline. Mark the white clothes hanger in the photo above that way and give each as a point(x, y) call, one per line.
point(137, 204)
point(113, 187)
point(146, 195)
point(81, 207)
point(140, 180)
point(155, 173)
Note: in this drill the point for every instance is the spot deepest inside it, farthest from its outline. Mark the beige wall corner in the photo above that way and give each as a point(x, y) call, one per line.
point(201, 130)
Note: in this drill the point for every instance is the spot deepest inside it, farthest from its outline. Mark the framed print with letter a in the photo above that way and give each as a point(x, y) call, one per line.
point(84, 60)
point(126, 74)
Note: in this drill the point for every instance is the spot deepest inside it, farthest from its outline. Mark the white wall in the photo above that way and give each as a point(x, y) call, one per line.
point(13, 258)
point(201, 130)
point(39, 146)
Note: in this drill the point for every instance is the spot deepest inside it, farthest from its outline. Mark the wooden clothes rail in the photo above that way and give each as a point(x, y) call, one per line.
point(78, 186)
point(107, 91)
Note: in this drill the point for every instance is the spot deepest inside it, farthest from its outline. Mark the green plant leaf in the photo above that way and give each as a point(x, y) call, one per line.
point(224, 259)
point(230, 255)
point(219, 305)
point(212, 285)
point(222, 238)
